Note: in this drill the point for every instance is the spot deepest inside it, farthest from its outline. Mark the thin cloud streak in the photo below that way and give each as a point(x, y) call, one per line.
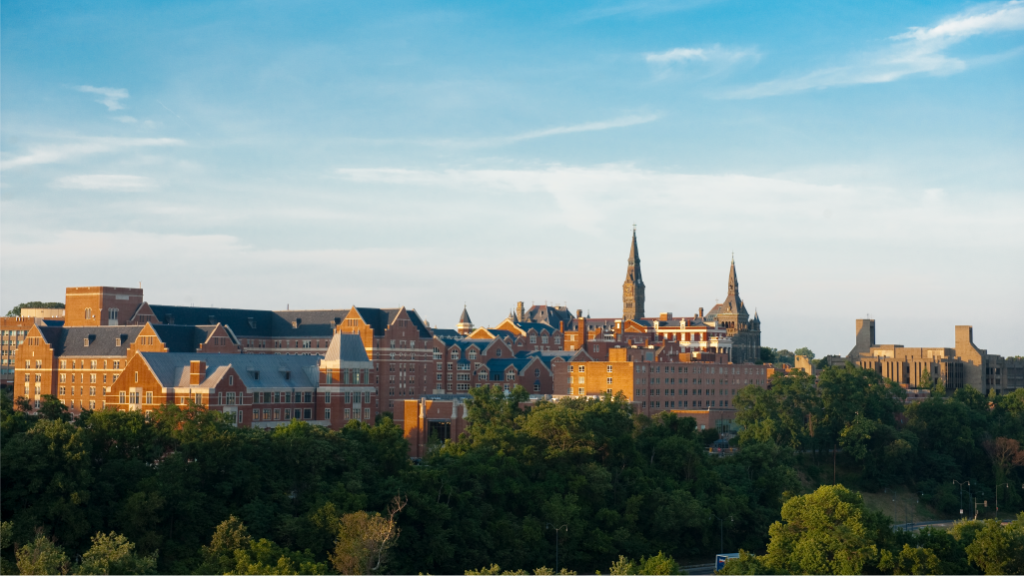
point(106, 182)
point(917, 51)
point(623, 122)
point(53, 153)
point(111, 96)
point(713, 54)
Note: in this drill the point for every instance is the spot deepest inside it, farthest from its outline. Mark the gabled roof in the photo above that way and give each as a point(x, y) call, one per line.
point(381, 318)
point(179, 338)
point(581, 355)
point(275, 371)
point(102, 340)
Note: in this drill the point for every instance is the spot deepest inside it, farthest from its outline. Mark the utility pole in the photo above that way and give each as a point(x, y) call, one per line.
point(968, 482)
point(557, 529)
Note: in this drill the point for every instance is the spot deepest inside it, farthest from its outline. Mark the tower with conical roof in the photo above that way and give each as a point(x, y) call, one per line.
point(633, 287)
point(465, 325)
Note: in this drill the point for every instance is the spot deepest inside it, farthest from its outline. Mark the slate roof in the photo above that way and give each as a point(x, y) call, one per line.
point(102, 339)
point(546, 356)
point(446, 334)
point(319, 323)
point(464, 318)
point(173, 369)
point(497, 366)
point(549, 314)
point(346, 348)
point(244, 323)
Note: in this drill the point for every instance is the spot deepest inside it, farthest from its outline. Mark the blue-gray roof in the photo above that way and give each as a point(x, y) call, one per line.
point(255, 370)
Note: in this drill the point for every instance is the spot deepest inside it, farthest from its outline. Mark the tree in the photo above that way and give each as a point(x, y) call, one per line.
point(114, 554)
point(1005, 453)
point(16, 311)
point(768, 355)
point(364, 540)
point(233, 551)
point(821, 533)
point(998, 549)
point(910, 560)
point(42, 556)
point(805, 351)
point(6, 540)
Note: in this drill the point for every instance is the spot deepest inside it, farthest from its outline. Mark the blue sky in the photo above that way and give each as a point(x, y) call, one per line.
point(858, 158)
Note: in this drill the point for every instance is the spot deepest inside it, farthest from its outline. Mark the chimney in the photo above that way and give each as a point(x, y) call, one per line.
point(296, 323)
point(197, 372)
point(520, 311)
point(700, 312)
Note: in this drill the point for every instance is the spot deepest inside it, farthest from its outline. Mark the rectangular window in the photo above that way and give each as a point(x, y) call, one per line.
point(92, 404)
point(287, 413)
point(120, 397)
point(327, 413)
point(149, 397)
point(366, 413)
point(117, 364)
point(307, 396)
point(366, 397)
point(255, 414)
point(327, 397)
point(307, 414)
point(277, 413)
point(92, 378)
point(62, 378)
point(348, 413)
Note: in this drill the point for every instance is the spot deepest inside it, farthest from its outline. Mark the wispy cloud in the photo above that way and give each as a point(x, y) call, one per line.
point(63, 152)
point(622, 122)
point(111, 96)
point(106, 182)
point(712, 54)
point(917, 51)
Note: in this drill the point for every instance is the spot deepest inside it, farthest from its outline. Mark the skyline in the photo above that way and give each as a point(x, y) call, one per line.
point(318, 156)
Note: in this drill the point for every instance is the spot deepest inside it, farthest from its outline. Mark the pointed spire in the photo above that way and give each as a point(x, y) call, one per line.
point(634, 254)
point(464, 319)
point(734, 284)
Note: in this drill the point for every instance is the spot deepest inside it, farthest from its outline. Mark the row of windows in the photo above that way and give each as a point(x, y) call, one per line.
point(62, 378)
point(686, 404)
point(93, 365)
point(686, 392)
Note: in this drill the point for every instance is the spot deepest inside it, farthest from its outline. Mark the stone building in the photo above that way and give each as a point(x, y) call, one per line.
point(963, 365)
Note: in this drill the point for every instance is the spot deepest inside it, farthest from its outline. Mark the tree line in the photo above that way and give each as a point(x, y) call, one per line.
point(185, 491)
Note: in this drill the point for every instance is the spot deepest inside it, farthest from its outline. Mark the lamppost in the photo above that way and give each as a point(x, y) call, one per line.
point(721, 532)
point(968, 482)
point(1007, 484)
point(557, 530)
point(984, 502)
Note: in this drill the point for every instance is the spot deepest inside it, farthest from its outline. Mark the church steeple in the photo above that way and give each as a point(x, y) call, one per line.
point(633, 287)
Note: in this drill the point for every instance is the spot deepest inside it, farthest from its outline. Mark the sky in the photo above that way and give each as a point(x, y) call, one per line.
point(857, 159)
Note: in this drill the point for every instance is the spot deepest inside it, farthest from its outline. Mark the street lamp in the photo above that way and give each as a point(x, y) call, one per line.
point(1007, 484)
point(557, 530)
point(721, 533)
point(968, 482)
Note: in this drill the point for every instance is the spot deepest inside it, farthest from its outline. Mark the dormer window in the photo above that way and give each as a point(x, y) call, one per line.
point(252, 322)
point(86, 342)
point(255, 374)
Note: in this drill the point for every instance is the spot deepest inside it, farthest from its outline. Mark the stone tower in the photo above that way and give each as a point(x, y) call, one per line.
point(633, 287)
point(744, 331)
